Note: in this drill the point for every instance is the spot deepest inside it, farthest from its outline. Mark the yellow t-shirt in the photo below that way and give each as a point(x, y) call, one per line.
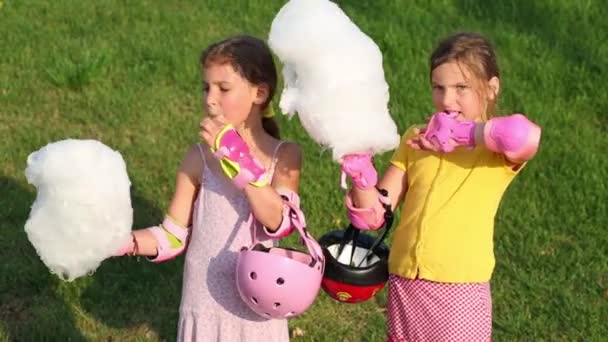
point(447, 218)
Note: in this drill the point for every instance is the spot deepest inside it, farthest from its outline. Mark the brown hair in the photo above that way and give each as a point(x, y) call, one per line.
point(473, 51)
point(252, 59)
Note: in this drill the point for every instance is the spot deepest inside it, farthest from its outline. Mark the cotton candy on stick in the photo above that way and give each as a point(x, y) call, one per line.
point(333, 78)
point(82, 213)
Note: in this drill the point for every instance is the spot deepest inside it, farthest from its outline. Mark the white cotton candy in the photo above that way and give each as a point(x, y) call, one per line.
point(82, 213)
point(333, 78)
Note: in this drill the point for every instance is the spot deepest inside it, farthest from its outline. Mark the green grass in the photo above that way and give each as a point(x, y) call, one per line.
point(125, 73)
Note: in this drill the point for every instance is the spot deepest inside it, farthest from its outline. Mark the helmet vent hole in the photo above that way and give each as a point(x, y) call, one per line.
point(280, 281)
point(253, 275)
point(290, 313)
point(253, 299)
point(276, 305)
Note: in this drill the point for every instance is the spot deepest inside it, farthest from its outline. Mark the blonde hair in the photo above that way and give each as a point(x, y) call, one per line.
point(476, 53)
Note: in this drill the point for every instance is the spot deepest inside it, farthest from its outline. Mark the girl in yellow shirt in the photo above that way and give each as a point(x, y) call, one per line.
point(449, 177)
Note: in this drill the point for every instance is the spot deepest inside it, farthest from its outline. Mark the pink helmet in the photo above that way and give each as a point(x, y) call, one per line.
point(278, 282)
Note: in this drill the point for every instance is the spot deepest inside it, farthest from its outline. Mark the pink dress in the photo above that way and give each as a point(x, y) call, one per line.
point(211, 308)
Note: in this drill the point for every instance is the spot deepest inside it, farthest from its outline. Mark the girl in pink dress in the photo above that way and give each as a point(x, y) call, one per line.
point(242, 168)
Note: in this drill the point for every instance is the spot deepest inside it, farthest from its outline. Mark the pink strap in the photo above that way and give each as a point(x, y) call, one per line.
point(200, 150)
point(299, 222)
point(273, 163)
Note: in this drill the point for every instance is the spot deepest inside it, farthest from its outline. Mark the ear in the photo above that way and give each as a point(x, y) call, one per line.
point(494, 86)
point(261, 95)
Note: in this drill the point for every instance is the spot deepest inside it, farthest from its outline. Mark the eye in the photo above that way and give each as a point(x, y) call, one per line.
point(224, 90)
point(205, 88)
point(462, 87)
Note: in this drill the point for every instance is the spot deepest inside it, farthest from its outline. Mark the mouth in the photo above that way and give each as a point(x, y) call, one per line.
point(459, 115)
point(213, 112)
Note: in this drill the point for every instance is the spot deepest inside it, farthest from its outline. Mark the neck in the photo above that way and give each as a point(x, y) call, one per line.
point(253, 133)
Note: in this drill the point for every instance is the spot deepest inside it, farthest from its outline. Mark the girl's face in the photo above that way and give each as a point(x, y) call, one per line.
point(455, 89)
point(227, 93)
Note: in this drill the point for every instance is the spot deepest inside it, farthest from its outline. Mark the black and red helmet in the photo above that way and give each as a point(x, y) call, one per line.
point(354, 275)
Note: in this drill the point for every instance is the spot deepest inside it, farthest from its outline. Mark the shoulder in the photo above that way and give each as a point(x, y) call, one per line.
point(288, 165)
point(193, 162)
point(289, 153)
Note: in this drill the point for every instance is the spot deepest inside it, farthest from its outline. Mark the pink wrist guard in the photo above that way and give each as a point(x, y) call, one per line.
point(360, 169)
point(367, 218)
point(515, 136)
point(443, 127)
point(236, 159)
point(163, 234)
point(291, 213)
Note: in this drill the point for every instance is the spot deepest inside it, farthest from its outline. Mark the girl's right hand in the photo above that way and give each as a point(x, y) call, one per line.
point(444, 132)
point(419, 142)
point(210, 126)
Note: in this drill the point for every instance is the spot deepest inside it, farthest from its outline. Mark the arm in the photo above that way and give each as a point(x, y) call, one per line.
point(394, 182)
point(266, 203)
point(514, 136)
point(168, 239)
point(364, 202)
point(272, 208)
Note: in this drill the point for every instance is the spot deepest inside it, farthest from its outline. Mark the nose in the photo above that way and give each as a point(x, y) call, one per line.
point(448, 99)
point(211, 101)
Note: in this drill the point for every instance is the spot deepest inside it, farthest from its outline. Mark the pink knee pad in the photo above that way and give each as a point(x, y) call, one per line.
point(367, 218)
point(291, 213)
point(167, 251)
point(515, 136)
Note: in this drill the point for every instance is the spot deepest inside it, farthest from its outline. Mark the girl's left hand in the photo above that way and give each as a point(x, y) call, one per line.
point(210, 126)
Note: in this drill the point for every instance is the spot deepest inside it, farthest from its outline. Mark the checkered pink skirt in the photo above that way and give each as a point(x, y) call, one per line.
point(421, 310)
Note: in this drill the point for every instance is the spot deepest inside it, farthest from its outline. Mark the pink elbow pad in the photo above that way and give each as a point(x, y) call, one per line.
point(367, 218)
point(161, 233)
point(291, 212)
point(515, 136)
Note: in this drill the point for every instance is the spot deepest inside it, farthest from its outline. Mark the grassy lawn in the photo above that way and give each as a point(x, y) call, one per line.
point(126, 73)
